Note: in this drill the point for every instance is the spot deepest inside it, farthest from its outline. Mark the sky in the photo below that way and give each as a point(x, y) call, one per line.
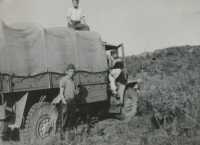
point(142, 25)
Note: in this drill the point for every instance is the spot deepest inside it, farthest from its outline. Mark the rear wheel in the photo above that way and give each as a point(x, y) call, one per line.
point(129, 108)
point(40, 123)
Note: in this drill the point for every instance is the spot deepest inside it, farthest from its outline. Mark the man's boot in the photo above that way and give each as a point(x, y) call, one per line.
point(117, 99)
point(117, 96)
point(62, 134)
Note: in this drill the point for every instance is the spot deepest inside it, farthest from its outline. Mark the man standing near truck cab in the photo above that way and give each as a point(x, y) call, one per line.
point(67, 107)
point(76, 18)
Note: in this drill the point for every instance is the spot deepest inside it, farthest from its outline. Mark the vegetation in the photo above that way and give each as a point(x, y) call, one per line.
point(165, 62)
point(169, 114)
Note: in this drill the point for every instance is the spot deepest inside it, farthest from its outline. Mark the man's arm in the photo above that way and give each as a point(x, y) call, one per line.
point(69, 19)
point(83, 20)
point(119, 59)
point(61, 85)
point(77, 95)
point(62, 96)
point(68, 16)
point(83, 17)
point(110, 61)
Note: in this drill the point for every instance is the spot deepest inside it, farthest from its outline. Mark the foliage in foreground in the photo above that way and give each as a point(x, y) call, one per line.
point(175, 107)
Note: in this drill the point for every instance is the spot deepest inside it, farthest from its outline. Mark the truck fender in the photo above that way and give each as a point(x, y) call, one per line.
point(123, 86)
point(135, 84)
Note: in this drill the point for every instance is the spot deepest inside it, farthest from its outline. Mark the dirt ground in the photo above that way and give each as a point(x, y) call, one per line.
point(109, 127)
point(138, 131)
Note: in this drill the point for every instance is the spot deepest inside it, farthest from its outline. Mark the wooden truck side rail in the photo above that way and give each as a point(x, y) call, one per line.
point(19, 84)
point(93, 86)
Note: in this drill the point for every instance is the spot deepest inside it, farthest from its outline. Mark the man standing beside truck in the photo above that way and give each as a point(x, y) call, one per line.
point(76, 18)
point(67, 107)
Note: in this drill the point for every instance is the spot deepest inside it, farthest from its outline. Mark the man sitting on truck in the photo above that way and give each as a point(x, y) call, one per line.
point(67, 107)
point(76, 18)
point(114, 74)
point(115, 65)
point(113, 58)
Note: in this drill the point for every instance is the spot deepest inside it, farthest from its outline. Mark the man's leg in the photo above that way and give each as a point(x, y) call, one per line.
point(114, 89)
point(63, 110)
point(81, 27)
point(112, 84)
point(72, 25)
point(121, 91)
point(62, 118)
point(72, 115)
point(66, 117)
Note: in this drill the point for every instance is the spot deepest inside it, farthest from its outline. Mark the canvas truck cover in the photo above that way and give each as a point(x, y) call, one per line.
point(28, 49)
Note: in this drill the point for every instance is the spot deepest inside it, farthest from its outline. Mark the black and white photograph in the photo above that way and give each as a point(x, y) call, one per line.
point(99, 72)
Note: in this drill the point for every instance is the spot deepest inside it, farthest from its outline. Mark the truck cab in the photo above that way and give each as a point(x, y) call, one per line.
point(129, 103)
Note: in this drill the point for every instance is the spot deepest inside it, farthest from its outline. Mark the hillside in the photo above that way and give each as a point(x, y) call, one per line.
point(165, 62)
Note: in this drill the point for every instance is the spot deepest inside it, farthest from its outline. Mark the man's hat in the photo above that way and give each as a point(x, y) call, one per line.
point(70, 66)
point(113, 51)
point(75, 0)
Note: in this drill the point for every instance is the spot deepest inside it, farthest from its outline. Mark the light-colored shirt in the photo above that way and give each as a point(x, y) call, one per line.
point(76, 14)
point(69, 87)
point(112, 61)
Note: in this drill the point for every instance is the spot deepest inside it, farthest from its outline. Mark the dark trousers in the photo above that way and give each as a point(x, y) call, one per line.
point(77, 25)
point(66, 116)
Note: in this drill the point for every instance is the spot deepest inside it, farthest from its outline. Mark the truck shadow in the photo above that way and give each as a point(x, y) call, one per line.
point(92, 118)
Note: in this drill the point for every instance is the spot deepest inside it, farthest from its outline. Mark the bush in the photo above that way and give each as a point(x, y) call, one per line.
point(174, 107)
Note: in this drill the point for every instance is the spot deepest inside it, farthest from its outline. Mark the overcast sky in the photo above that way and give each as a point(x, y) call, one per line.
point(139, 24)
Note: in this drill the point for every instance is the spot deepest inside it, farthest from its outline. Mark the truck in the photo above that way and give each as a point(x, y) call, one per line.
point(33, 59)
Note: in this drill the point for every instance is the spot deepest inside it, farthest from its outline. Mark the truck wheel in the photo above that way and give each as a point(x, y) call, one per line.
point(129, 108)
point(40, 123)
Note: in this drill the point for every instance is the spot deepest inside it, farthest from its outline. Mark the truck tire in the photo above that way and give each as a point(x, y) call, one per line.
point(129, 108)
point(40, 123)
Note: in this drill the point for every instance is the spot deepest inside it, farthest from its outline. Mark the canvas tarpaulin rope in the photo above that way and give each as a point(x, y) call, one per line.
point(29, 49)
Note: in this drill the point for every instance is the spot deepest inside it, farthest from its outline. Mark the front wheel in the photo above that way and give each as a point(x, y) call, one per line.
point(129, 108)
point(40, 123)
